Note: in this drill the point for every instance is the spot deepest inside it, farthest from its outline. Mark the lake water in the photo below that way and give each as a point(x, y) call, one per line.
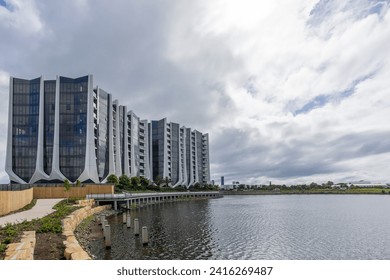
point(243, 227)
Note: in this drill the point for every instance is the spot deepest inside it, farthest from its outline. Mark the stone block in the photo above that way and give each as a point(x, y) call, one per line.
point(13, 247)
point(67, 233)
point(81, 255)
point(70, 249)
point(71, 239)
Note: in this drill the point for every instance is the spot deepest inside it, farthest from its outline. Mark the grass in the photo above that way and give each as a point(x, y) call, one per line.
point(50, 223)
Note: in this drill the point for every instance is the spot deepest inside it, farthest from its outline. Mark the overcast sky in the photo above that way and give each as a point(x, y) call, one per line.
point(289, 91)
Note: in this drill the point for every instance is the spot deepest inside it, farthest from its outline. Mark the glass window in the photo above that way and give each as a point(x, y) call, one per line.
point(25, 126)
point(73, 125)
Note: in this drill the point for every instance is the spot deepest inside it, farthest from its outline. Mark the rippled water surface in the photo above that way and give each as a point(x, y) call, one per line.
point(258, 227)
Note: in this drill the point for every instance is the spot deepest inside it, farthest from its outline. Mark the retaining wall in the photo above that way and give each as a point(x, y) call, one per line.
point(14, 200)
point(23, 250)
point(73, 250)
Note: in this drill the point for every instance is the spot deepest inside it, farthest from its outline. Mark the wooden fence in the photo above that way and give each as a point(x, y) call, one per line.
point(15, 197)
point(14, 200)
point(58, 191)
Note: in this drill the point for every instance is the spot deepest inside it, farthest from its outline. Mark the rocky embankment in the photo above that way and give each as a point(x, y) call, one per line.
point(90, 232)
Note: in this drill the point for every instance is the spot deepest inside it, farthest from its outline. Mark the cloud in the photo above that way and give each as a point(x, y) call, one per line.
point(289, 91)
point(20, 16)
point(322, 100)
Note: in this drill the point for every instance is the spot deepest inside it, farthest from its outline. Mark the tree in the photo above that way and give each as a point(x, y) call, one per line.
point(112, 179)
point(135, 183)
point(144, 183)
point(197, 186)
point(124, 182)
point(78, 183)
point(67, 187)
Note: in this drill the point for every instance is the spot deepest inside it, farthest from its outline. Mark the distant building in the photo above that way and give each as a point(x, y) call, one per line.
point(228, 187)
point(222, 180)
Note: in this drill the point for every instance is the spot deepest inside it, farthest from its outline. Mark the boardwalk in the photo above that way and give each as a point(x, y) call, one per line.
point(127, 199)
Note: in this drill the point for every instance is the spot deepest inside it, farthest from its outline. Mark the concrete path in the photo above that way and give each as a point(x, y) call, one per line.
point(42, 208)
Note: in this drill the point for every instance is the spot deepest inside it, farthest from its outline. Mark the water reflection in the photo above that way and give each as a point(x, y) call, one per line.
point(257, 227)
point(177, 230)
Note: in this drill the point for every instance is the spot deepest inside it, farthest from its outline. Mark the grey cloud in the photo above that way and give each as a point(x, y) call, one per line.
point(153, 58)
point(241, 156)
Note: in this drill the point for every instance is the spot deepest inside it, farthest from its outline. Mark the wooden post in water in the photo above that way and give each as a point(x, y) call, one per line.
point(145, 236)
point(104, 223)
point(107, 236)
point(128, 221)
point(124, 217)
point(136, 227)
point(102, 217)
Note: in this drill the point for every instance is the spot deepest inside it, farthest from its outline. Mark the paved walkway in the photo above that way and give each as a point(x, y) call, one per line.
point(42, 208)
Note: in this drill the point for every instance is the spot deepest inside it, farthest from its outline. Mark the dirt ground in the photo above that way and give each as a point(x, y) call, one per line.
point(49, 246)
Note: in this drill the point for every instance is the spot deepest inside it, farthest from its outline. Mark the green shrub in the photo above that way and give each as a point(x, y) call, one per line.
point(50, 225)
point(7, 240)
point(10, 231)
point(3, 247)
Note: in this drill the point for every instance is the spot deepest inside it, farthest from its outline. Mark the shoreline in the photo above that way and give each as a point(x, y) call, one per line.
point(89, 231)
